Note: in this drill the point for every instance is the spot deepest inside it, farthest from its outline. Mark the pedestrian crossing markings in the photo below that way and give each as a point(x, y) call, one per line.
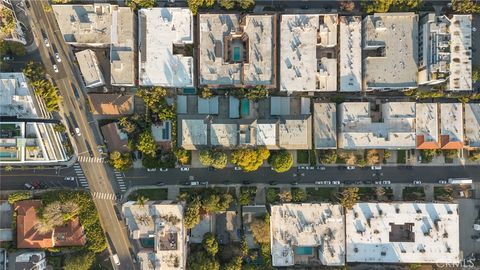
point(85, 159)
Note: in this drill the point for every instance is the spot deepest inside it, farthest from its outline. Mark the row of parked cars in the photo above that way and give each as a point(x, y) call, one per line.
point(335, 182)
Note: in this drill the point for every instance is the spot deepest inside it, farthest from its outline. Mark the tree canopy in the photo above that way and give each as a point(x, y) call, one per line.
point(210, 244)
point(328, 156)
point(11, 47)
point(121, 162)
point(216, 159)
point(281, 161)
point(466, 6)
point(261, 229)
point(349, 197)
point(391, 5)
point(201, 260)
point(146, 144)
point(249, 159)
point(7, 21)
point(48, 93)
point(138, 4)
point(79, 261)
point(34, 71)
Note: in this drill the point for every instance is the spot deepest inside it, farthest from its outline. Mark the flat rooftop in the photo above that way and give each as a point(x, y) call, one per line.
point(305, 234)
point(15, 96)
point(390, 42)
point(225, 135)
point(122, 49)
point(307, 60)
point(91, 73)
point(193, 133)
point(426, 125)
point(325, 125)
point(461, 52)
point(403, 233)
point(392, 127)
point(237, 49)
point(295, 133)
point(163, 34)
point(350, 54)
point(85, 24)
point(472, 127)
point(451, 119)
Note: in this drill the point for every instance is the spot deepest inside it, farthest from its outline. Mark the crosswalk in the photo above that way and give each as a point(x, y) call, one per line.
point(103, 196)
point(82, 180)
point(86, 159)
point(120, 181)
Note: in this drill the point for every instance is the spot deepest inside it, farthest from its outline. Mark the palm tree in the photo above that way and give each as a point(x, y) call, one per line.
point(8, 168)
point(141, 200)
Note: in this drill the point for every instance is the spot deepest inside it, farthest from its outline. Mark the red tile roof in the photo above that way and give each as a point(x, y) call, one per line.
point(111, 104)
point(422, 144)
point(449, 145)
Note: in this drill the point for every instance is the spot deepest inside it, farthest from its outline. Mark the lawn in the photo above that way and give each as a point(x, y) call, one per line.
point(271, 195)
point(303, 157)
point(401, 157)
point(413, 193)
point(367, 193)
point(156, 194)
point(322, 194)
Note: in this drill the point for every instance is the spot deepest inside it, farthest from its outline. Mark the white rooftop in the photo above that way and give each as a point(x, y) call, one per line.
point(325, 125)
point(350, 54)
point(393, 127)
point(390, 43)
point(194, 133)
point(295, 133)
point(307, 60)
point(160, 29)
point(426, 123)
point(451, 119)
point(472, 127)
point(225, 135)
point(91, 73)
point(461, 52)
point(403, 233)
point(15, 96)
point(122, 49)
point(236, 49)
point(85, 24)
point(301, 233)
point(266, 134)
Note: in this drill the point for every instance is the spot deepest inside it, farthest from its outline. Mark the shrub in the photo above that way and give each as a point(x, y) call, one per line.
point(18, 196)
point(281, 161)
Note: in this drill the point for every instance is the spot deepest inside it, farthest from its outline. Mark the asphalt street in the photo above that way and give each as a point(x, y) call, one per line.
point(68, 80)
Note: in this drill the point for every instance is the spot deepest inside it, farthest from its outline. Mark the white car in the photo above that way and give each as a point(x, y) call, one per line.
point(77, 131)
point(386, 182)
point(57, 57)
point(336, 182)
point(321, 168)
point(376, 167)
point(318, 182)
point(152, 170)
point(55, 68)
point(350, 168)
point(238, 169)
point(69, 178)
point(163, 169)
point(417, 182)
point(443, 182)
point(47, 43)
point(184, 169)
point(327, 182)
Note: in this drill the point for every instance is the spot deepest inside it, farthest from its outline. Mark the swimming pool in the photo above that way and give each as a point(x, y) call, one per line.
point(245, 107)
point(304, 250)
point(147, 242)
point(236, 54)
point(8, 155)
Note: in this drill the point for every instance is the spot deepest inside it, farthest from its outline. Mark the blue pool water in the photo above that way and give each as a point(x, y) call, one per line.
point(236, 54)
point(304, 250)
point(147, 242)
point(245, 107)
point(7, 155)
point(189, 90)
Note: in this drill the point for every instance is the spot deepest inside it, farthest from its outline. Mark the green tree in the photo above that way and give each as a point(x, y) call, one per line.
point(146, 144)
point(372, 157)
point(205, 157)
point(298, 195)
point(18, 196)
point(153, 98)
point(59, 128)
point(246, 4)
point(451, 153)
point(347, 5)
point(261, 229)
point(349, 197)
point(474, 155)
point(476, 73)
point(127, 125)
point(121, 162)
point(200, 260)
point(192, 213)
point(281, 161)
point(428, 154)
point(285, 196)
point(48, 93)
point(34, 71)
point(56, 214)
point(227, 4)
point(391, 5)
point(249, 159)
point(182, 155)
point(234, 264)
point(79, 261)
point(215, 202)
point(194, 5)
point(328, 156)
point(8, 168)
point(246, 195)
point(7, 21)
point(167, 112)
point(206, 92)
point(12, 47)
point(219, 160)
point(150, 162)
point(257, 93)
point(272, 195)
point(138, 4)
point(141, 200)
point(466, 6)
point(210, 244)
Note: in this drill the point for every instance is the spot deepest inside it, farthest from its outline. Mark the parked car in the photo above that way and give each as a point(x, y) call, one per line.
point(327, 182)
point(192, 183)
point(318, 182)
point(336, 182)
point(163, 169)
point(55, 68)
point(348, 182)
point(321, 168)
point(99, 149)
point(246, 182)
point(301, 167)
point(184, 169)
point(273, 183)
point(417, 182)
point(29, 186)
point(69, 178)
point(443, 182)
point(115, 258)
point(57, 57)
point(151, 169)
point(227, 183)
point(237, 169)
point(202, 183)
point(294, 183)
point(47, 43)
point(160, 184)
point(376, 167)
point(386, 182)
point(77, 132)
point(368, 182)
point(358, 183)
point(8, 58)
point(350, 168)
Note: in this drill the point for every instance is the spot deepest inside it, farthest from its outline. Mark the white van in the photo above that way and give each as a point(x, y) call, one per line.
point(116, 260)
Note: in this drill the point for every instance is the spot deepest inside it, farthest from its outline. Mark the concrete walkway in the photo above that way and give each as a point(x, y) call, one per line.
point(397, 192)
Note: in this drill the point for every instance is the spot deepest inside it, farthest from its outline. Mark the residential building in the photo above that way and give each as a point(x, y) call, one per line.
point(122, 48)
point(115, 139)
point(28, 236)
point(237, 50)
point(451, 126)
point(426, 125)
point(445, 51)
point(307, 234)
point(472, 125)
point(390, 51)
point(161, 222)
point(403, 232)
point(308, 52)
point(31, 260)
point(6, 214)
point(214, 122)
point(389, 125)
point(16, 34)
point(25, 137)
point(350, 64)
point(90, 69)
point(111, 105)
point(166, 47)
point(325, 125)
